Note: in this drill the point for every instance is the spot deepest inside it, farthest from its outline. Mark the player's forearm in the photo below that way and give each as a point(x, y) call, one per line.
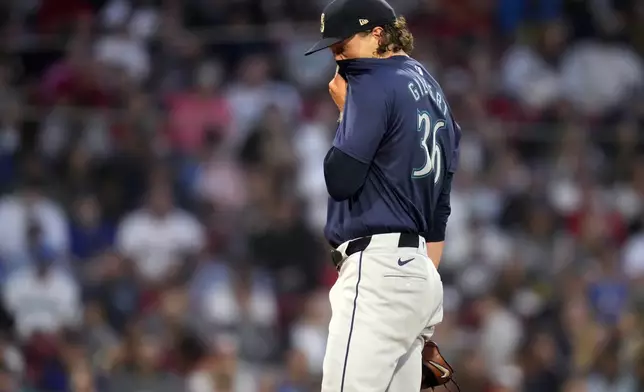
point(436, 241)
point(436, 237)
point(435, 252)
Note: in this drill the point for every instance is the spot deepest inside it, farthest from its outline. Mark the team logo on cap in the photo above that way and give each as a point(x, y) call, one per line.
point(322, 23)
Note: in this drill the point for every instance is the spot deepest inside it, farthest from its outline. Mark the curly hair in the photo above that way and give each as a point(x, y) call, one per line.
point(396, 37)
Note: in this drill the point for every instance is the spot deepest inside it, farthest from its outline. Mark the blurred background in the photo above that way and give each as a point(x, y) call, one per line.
point(162, 195)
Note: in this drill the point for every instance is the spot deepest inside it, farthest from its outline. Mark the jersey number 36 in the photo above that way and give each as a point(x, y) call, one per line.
point(432, 151)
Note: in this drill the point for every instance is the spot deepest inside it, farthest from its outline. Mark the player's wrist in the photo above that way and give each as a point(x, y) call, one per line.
point(340, 117)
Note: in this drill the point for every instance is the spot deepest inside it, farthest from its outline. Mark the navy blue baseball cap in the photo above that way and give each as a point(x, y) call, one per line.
point(342, 19)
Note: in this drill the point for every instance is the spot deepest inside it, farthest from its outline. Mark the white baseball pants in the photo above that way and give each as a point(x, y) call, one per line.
point(386, 299)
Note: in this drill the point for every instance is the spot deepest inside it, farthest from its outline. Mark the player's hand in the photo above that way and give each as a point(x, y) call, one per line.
point(436, 370)
point(338, 90)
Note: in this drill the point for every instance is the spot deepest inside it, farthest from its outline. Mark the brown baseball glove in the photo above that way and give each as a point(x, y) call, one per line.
point(436, 370)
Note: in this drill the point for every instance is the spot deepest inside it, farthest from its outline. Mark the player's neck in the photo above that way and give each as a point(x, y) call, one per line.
point(391, 53)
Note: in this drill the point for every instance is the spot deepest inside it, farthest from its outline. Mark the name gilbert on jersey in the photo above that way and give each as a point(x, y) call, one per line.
point(419, 88)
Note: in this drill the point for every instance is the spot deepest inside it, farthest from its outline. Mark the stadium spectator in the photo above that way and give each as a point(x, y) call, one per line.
point(156, 236)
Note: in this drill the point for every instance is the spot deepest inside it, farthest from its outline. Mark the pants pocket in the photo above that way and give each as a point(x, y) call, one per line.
point(404, 287)
point(402, 276)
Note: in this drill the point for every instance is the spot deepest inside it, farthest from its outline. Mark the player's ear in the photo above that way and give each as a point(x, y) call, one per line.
point(378, 32)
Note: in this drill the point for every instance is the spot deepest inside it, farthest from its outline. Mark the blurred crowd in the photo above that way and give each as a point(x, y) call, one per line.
point(162, 195)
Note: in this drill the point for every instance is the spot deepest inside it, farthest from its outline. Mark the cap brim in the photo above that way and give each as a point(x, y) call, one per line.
point(323, 44)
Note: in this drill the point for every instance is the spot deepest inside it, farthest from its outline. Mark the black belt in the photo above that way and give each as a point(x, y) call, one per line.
point(406, 240)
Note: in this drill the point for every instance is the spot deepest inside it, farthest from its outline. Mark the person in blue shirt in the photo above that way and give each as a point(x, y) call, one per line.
point(389, 175)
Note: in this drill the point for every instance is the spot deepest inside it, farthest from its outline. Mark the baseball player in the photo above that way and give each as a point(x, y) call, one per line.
point(389, 176)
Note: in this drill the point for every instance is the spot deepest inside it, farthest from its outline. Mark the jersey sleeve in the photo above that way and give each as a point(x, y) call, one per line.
point(364, 120)
point(343, 175)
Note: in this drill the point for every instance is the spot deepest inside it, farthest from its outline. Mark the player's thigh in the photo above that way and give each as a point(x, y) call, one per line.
point(408, 373)
point(357, 358)
point(360, 363)
point(375, 321)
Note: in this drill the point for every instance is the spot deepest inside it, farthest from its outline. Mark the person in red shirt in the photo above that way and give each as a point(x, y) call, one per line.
point(195, 112)
point(74, 80)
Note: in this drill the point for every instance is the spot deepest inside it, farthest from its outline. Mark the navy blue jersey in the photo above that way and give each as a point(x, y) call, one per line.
point(397, 121)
